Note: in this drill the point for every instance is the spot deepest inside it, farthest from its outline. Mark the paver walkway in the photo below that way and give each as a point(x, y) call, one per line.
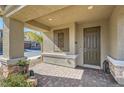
point(49, 75)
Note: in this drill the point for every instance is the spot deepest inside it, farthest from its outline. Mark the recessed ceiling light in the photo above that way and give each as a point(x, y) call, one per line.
point(50, 19)
point(90, 7)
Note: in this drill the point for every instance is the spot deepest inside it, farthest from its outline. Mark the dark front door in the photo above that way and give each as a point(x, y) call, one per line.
point(92, 46)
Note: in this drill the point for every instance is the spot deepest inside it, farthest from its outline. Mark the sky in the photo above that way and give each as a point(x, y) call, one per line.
point(1, 23)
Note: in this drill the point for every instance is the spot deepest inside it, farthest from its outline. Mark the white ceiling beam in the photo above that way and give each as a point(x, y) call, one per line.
point(36, 25)
point(13, 11)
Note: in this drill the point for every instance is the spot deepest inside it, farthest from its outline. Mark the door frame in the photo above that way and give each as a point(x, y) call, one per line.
point(88, 65)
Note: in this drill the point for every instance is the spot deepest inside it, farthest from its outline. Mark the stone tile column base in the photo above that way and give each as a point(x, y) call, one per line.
point(9, 66)
point(117, 70)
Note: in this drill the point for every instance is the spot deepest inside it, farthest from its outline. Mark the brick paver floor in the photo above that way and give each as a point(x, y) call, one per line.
point(49, 75)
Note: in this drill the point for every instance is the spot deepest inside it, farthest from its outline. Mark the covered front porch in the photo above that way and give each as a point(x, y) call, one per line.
point(72, 35)
point(49, 75)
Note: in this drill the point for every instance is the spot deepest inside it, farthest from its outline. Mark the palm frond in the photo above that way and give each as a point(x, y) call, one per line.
point(35, 37)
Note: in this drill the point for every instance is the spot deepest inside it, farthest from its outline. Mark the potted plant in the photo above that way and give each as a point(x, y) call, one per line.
point(23, 66)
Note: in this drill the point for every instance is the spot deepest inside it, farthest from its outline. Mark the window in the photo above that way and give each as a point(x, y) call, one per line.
point(61, 40)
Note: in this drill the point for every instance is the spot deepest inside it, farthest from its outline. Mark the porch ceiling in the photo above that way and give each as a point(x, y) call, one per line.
point(52, 15)
point(76, 14)
point(1, 9)
point(34, 11)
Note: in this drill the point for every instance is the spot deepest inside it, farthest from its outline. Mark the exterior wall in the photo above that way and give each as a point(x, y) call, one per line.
point(13, 39)
point(59, 58)
point(112, 37)
point(76, 39)
point(113, 34)
point(48, 43)
point(121, 37)
point(104, 39)
point(117, 33)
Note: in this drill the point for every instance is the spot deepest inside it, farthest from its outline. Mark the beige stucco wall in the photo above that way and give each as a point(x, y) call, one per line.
point(112, 37)
point(76, 35)
point(104, 39)
point(117, 33)
point(13, 39)
point(48, 43)
point(59, 58)
point(113, 34)
point(121, 37)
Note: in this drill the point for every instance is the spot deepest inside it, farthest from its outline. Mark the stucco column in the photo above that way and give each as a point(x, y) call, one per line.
point(13, 40)
point(117, 33)
point(120, 37)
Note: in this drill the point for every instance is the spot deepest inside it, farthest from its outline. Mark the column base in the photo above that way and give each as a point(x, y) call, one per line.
point(117, 69)
point(9, 65)
point(11, 61)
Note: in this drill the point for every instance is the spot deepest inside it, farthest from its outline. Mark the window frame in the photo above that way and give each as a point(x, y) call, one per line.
point(57, 31)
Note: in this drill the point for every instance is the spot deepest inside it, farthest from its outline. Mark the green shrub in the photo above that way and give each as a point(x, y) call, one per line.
point(22, 63)
point(23, 66)
point(15, 80)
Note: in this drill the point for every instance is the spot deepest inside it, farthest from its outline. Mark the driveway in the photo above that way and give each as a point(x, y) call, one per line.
point(28, 53)
point(49, 75)
point(32, 53)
